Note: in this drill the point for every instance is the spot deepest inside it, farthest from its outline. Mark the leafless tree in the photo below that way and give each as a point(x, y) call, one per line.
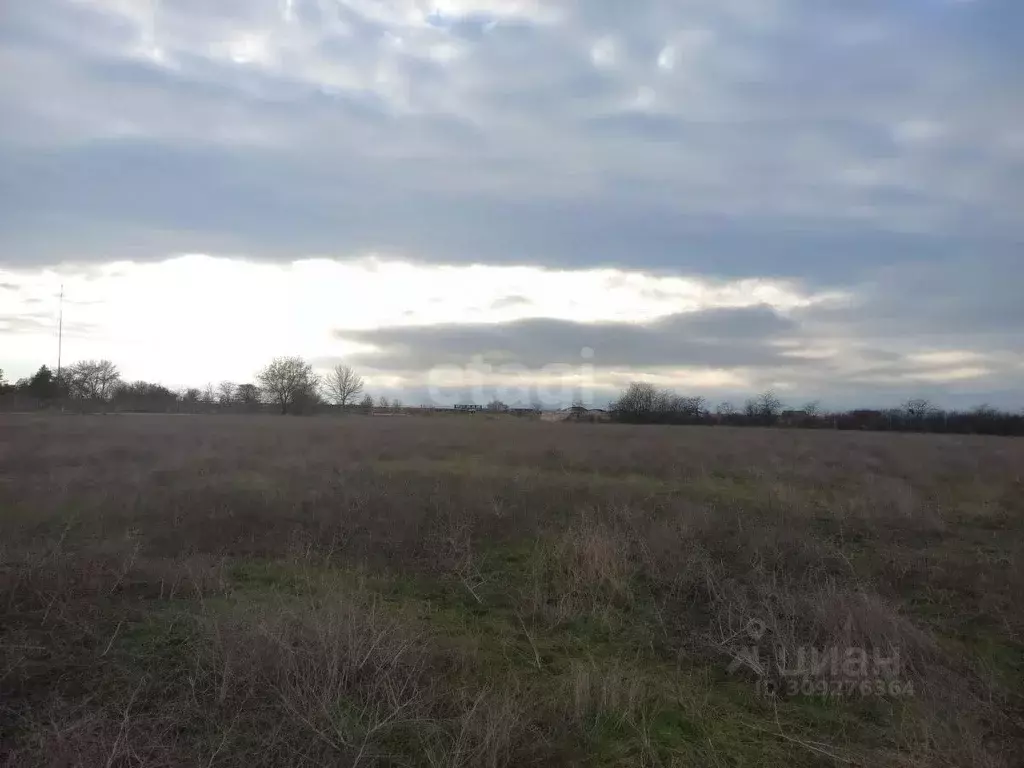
point(92, 379)
point(639, 398)
point(750, 409)
point(769, 404)
point(143, 396)
point(725, 409)
point(496, 406)
point(289, 382)
point(383, 403)
point(812, 409)
point(248, 394)
point(226, 392)
point(343, 385)
point(366, 404)
point(693, 407)
point(765, 408)
point(191, 396)
point(918, 408)
point(209, 395)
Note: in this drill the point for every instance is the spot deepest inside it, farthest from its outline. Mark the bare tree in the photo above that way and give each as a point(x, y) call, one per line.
point(92, 379)
point(918, 408)
point(644, 402)
point(383, 403)
point(812, 409)
point(366, 404)
point(226, 392)
point(209, 396)
point(496, 406)
point(639, 399)
point(143, 396)
point(692, 407)
point(248, 394)
point(769, 404)
point(107, 377)
point(289, 382)
point(725, 409)
point(766, 407)
point(343, 385)
point(191, 396)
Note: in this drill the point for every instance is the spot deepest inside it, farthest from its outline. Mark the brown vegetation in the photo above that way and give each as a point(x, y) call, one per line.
point(496, 592)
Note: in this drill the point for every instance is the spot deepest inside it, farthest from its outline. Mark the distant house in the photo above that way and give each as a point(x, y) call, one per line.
point(586, 414)
point(524, 411)
point(469, 408)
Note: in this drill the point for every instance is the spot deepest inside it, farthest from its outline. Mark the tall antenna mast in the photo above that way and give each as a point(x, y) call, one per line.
point(60, 331)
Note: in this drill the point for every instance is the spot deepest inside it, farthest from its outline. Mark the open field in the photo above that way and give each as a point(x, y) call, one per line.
point(262, 591)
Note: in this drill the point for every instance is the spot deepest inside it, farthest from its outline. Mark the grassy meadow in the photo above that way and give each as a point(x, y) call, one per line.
point(485, 591)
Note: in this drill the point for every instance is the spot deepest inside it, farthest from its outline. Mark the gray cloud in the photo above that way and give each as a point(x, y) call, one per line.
point(41, 323)
point(880, 348)
point(354, 132)
point(977, 307)
point(505, 302)
point(716, 338)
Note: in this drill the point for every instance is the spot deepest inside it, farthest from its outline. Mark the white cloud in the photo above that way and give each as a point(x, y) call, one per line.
point(741, 91)
point(198, 316)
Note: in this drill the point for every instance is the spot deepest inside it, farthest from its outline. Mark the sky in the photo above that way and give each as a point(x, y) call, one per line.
point(523, 199)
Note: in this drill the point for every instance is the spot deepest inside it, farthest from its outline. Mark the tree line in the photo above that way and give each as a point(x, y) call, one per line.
point(288, 384)
point(644, 403)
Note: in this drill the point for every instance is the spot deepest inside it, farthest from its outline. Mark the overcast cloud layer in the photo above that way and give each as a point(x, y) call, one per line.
point(861, 161)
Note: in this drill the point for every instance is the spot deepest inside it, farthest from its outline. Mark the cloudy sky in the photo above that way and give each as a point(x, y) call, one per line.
point(819, 196)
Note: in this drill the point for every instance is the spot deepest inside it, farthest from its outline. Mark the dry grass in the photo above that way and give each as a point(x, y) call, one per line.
point(462, 592)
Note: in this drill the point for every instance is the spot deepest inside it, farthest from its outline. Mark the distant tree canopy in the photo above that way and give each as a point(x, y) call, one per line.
point(249, 394)
point(92, 379)
point(142, 395)
point(290, 383)
point(42, 384)
point(643, 403)
point(763, 409)
point(226, 392)
point(343, 385)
